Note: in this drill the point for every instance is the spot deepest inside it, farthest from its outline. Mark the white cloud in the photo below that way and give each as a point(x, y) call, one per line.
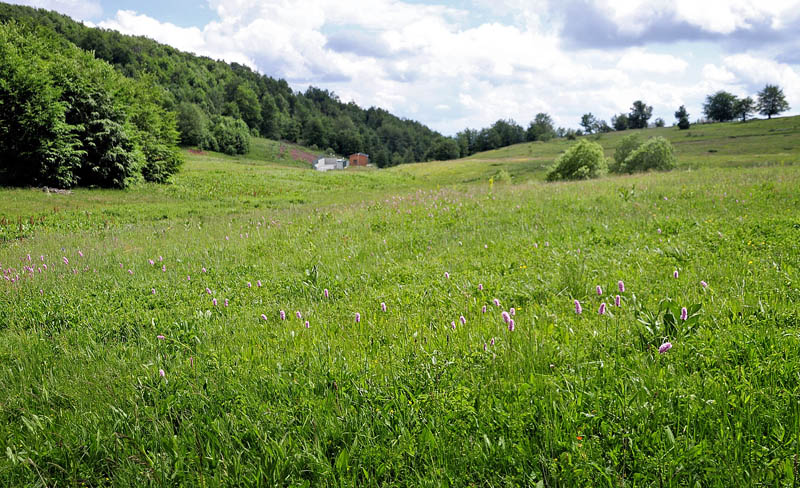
point(637, 59)
point(78, 9)
point(452, 68)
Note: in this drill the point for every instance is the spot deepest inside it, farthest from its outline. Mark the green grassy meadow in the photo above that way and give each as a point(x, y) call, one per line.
point(142, 343)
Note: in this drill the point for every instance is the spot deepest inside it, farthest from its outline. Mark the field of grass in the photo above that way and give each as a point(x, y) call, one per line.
point(142, 340)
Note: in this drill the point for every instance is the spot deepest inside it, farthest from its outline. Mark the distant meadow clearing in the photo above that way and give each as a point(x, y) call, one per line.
point(256, 323)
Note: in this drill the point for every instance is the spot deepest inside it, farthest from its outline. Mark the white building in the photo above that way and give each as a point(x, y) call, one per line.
point(327, 164)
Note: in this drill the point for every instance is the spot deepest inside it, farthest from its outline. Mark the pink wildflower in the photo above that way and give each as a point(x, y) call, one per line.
point(226, 302)
point(602, 309)
point(164, 268)
point(153, 291)
point(705, 285)
point(358, 317)
point(578, 308)
point(463, 320)
point(308, 326)
point(160, 337)
point(675, 274)
point(264, 316)
point(208, 290)
point(447, 275)
point(151, 262)
point(480, 286)
point(599, 290)
point(684, 314)
point(160, 258)
point(203, 269)
point(621, 286)
point(383, 306)
point(325, 292)
point(162, 373)
point(665, 347)
point(283, 315)
point(249, 285)
point(512, 311)
point(299, 315)
point(617, 301)
point(453, 324)
point(66, 261)
point(130, 271)
point(506, 317)
point(79, 254)
point(258, 283)
point(511, 326)
point(483, 309)
point(496, 302)
point(214, 301)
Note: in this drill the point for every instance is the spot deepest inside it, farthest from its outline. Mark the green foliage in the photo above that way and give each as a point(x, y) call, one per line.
point(659, 122)
point(193, 125)
point(744, 107)
point(588, 122)
point(228, 135)
point(620, 122)
point(445, 149)
point(581, 161)
point(69, 119)
point(771, 101)
point(626, 146)
point(683, 118)
point(656, 153)
point(639, 115)
point(540, 128)
point(268, 106)
point(719, 107)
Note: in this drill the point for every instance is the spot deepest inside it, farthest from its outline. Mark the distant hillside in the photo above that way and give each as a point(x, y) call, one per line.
point(269, 107)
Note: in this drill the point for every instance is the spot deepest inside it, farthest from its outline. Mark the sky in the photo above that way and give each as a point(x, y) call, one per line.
point(453, 65)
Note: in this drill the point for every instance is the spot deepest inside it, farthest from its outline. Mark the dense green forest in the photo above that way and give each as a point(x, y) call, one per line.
point(68, 119)
point(205, 93)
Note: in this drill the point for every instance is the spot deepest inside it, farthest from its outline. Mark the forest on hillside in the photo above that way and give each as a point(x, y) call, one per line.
point(213, 99)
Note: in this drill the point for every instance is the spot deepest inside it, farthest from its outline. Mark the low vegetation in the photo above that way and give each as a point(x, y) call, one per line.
point(581, 161)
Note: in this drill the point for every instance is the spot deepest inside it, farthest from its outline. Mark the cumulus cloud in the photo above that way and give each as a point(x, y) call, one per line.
point(77, 9)
point(453, 68)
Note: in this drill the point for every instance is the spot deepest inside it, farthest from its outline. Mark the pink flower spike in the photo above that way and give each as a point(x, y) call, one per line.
point(447, 275)
point(621, 286)
point(214, 301)
point(665, 347)
point(484, 347)
point(203, 270)
point(491, 342)
point(160, 337)
point(164, 268)
point(480, 286)
point(130, 271)
point(263, 316)
point(599, 290)
point(704, 284)
point(658, 230)
point(617, 301)
point(325, 292)
point(79, 254)
point(512, 311)
point(153, 291)
point(463, 320)
point(383, 306)
point(358, 317)
point(283, 315)
point(602, 309)
point(160, 258)
point(308, 326)
point(453, 324)
point(483, 309)
point(299, 315)
point(675, 274)
point(258, 283)
point(226, 302)
point(511, 326)
point(496, 302)
point(151, 262)
point(506, 317)
point(188, 278)
point(578, 308)
point(208, 290)
point(44, 266)
point(162, 373)
point(684, 314)
point(249, 285)
point(66, 261)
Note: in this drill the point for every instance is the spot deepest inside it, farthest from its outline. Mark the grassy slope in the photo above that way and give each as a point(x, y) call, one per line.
point(755, 143)
point(401, 397)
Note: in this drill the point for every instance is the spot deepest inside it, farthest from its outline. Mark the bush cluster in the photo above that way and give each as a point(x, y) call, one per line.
point(633, 156)
point(68, 119)
point(581, 161)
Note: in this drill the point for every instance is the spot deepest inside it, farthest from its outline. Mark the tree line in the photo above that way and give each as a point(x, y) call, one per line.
point(219, 104)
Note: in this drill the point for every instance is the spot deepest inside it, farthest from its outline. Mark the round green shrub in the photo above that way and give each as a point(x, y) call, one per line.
point(655, 154)
point(581, 161)
point(626, 146)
